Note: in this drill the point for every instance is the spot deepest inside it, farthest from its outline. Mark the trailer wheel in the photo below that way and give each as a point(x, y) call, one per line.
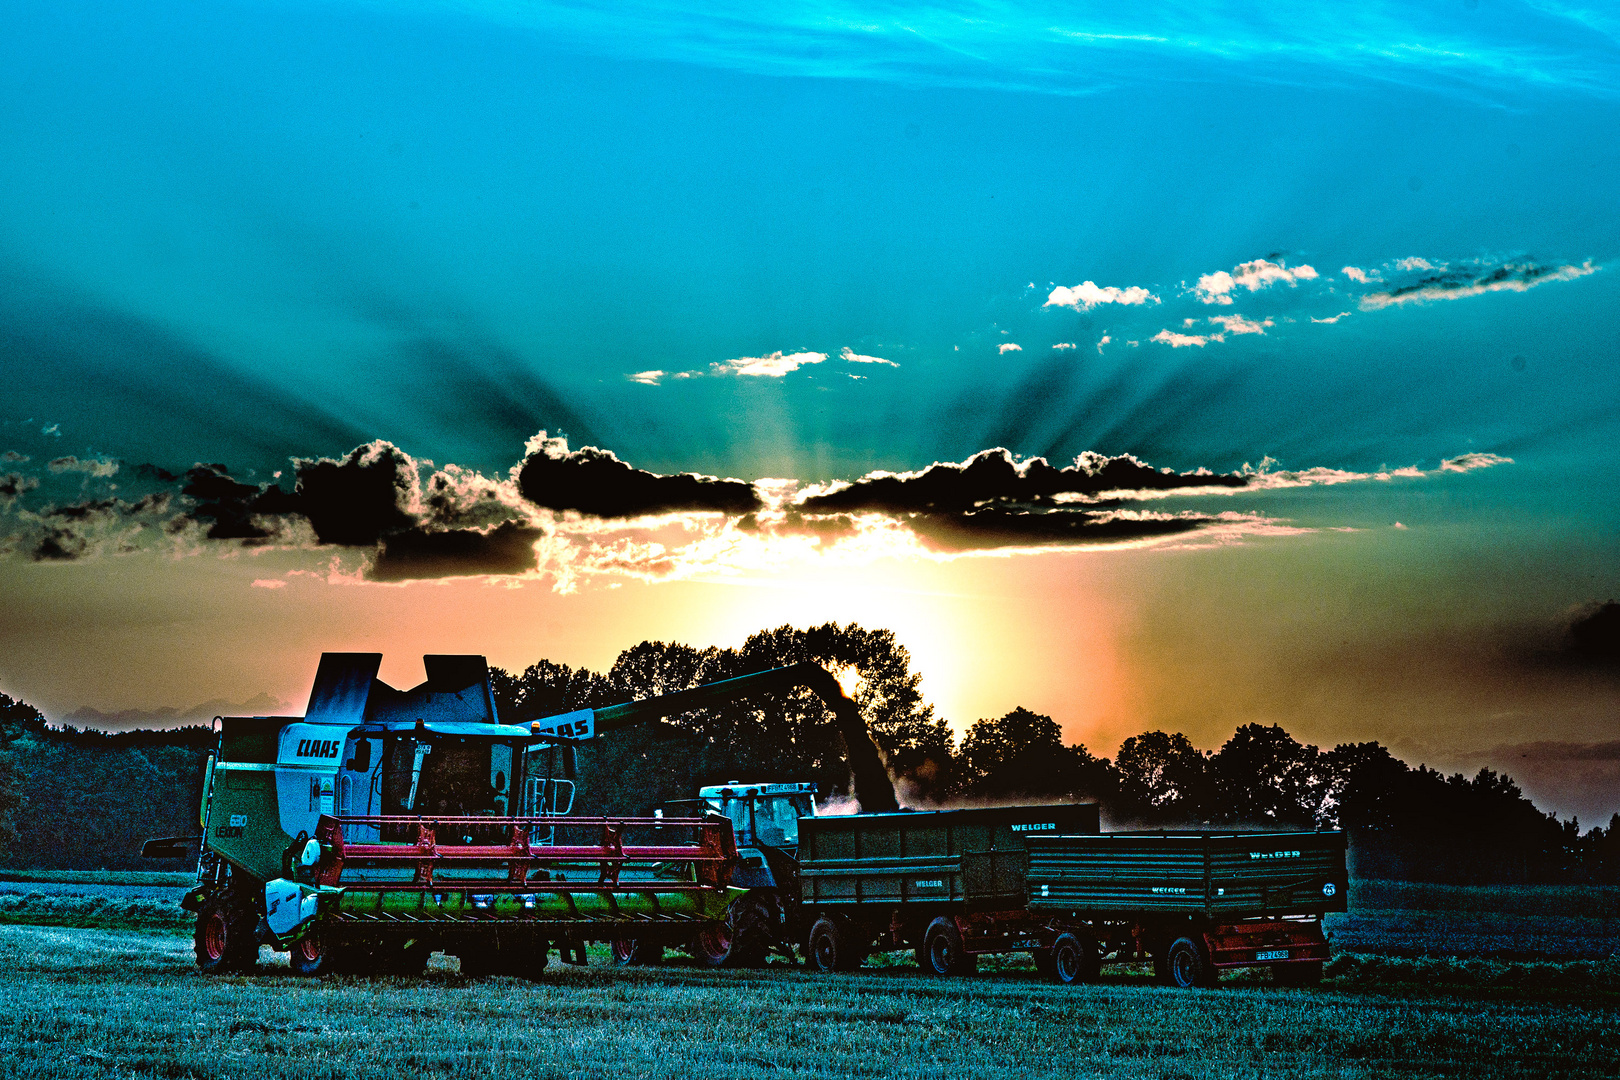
point(636, 952)
point(942, 952)
point(1186, 965)
point(226, 938)
point(1073, 959)
point(831, 946)
point(1299, 973)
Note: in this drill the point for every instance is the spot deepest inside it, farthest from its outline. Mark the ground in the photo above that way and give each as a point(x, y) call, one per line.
point(102, 1003)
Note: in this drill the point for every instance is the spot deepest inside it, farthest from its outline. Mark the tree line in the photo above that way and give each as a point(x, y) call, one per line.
point(85, 799)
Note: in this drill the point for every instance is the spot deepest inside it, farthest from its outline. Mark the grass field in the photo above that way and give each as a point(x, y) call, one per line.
point(89, 1003)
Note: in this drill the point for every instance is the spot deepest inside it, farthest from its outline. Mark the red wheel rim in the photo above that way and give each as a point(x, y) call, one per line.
point(308, 948)
point(213, 937)
point(716, 941)
point(622, 949)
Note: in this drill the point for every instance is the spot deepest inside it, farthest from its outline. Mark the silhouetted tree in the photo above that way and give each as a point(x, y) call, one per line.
point(1162, 779)
point(1022, 754)
point(1263, 776)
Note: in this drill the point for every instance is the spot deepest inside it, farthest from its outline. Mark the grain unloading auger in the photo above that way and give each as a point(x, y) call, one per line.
point(385, 824)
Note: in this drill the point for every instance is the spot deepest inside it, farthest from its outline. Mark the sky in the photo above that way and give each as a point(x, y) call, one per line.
point(1169, 366)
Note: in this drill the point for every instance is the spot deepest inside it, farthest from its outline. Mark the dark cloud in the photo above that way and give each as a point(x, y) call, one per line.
point(230, 507)
point(993, 528)
point(13, 484)
point(417, 553)
point(12, 455)
point(78, 530)
point(358, 499)
point(98, 467)
point(992, 478)
point(594, 481)
point(1594, 636)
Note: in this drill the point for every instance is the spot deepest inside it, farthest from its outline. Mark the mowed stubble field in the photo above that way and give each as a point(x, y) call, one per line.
point(101, 1003)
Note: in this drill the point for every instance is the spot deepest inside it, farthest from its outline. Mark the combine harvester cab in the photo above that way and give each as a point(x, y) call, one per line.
point(384, 825)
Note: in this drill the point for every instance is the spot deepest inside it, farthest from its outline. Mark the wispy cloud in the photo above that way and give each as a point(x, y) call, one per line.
point(1458, 283)
point(771, 365)
point(646, 378)
point(1237, 324)
point(1259, 274)
point(1087, 295)
point(1331, 318)
point(1182, 341)
point(849, 355)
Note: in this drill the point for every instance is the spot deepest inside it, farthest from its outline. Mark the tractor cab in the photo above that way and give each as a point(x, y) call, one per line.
point(765, 814)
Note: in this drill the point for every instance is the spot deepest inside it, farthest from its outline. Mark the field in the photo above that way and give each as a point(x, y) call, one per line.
point(87, 1000)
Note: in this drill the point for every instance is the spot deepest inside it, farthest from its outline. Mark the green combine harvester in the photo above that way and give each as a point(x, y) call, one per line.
point(384, 825)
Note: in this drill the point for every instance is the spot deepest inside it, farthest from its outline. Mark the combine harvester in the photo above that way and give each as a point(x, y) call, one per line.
point(384, 825)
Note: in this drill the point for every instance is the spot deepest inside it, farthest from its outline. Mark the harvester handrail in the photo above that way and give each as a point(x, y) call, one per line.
point(712, 855)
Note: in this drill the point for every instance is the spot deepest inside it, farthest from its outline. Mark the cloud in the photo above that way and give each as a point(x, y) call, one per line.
point(13, 484)
point(1356, 274)
point(1414, 263)
point(95, 467)
point(1104, 340)
point(594, 481)
point(773, 365)
point(1179, 341)
point(269, 583)
point(1087, 295)
point(1331, 318)
point(1006, 347)
point(13, 456)
point(1472, 461)
point(1237, 324)
point(645, 378)
point(54, 430)
point(1455, 284)
point(1064, 345)
point(507, 549)
point(994, 476)
point(1260, 274)
point(849, 355)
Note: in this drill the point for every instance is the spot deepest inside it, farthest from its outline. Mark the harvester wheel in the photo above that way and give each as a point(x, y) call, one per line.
point(1186, 965)
point(636, 952)
point(226, 938)
point(941, 952)
point(831, 946)
point(313, 955)
point(1073, 959)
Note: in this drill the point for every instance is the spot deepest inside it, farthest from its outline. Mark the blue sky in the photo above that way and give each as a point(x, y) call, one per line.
point(245, 233)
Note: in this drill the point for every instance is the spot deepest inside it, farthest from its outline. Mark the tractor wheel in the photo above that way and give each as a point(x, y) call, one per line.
point(742, 940)
point(1073, 959)
point(313, 955)
point(942, 953)
point(831, 946)
point(1299, 973)
point(226, 938)
point(1186, 965)
point(636, 952)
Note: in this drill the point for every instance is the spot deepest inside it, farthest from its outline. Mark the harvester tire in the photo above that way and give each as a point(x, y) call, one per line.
point(313, 955)
point(637, 952)
point(832, 947)
point(1187, 965)
point(227, 938)
point(942, 952)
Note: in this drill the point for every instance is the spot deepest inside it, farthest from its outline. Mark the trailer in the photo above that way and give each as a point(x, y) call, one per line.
point(956, 885)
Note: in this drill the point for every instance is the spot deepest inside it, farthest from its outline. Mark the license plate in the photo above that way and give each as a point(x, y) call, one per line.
point(1272, 954)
